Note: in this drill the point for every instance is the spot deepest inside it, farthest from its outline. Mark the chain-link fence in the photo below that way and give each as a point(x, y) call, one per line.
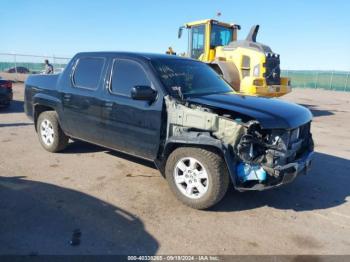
point(330, 80)
point(18, 66)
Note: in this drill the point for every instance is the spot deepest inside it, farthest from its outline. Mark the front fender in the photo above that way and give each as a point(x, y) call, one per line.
point(201, 140)
point(195, 138)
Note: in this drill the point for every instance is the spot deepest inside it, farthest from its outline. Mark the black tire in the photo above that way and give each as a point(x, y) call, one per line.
point(217, 175)
point(60, 140)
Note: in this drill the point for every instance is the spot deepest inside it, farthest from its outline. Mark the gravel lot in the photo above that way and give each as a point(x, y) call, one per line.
point(89, 200)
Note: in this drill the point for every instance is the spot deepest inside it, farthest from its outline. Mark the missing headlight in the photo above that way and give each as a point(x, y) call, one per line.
point(251, 147)
point(250, 150)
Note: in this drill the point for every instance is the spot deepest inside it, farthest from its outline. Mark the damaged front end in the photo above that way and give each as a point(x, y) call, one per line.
point(269, 158)
point(256, 158)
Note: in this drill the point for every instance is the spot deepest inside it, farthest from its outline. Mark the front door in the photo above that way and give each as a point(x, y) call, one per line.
point(197, 42)
point(131, 126)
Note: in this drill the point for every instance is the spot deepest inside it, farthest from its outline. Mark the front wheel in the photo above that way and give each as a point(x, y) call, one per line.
point(198, 177)
point(50, 134)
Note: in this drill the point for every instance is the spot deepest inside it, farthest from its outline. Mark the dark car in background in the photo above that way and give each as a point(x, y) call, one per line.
point(18, 69)
point(6, 93)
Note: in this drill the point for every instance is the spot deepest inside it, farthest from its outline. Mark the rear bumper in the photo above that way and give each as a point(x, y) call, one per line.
point(287, 173)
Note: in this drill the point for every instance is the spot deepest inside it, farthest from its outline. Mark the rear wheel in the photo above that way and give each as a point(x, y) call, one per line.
point(50, 134)
point(198, 177)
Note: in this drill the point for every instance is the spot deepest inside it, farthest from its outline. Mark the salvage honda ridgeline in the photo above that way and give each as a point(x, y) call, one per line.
point(178, 113)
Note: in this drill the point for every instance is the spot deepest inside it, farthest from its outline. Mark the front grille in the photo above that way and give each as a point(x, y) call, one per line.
point(305, 135)
point(301, 133)
point(299, 139)
point(273, 71)
point(294, 135)
point(305, 130)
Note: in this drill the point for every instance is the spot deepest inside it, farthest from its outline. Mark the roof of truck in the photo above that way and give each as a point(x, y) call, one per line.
point(148, 56)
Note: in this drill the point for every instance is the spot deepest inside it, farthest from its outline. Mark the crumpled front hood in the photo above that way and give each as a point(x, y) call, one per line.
point(270, 112)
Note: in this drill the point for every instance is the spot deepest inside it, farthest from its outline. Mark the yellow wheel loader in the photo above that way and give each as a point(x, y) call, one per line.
point(251, 68)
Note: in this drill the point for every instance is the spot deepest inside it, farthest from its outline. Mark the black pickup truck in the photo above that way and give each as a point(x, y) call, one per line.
point(178, 113)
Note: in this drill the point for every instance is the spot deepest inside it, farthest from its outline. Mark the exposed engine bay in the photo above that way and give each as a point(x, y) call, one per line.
point(263, 158)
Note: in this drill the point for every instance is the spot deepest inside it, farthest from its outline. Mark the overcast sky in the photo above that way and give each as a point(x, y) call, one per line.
point(307, 34)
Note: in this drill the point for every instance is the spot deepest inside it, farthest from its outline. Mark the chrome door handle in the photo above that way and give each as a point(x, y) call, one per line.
point(67, 97)
point(109, 105)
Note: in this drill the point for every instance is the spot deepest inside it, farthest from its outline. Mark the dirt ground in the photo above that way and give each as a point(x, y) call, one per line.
point(89, 200)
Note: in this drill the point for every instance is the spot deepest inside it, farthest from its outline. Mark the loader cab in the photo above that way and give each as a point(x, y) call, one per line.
point(204, 36)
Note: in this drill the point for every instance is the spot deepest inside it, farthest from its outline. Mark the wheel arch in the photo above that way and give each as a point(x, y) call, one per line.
point(229, 72)
point(201, 141)
point(38, 109)
point(42, 103)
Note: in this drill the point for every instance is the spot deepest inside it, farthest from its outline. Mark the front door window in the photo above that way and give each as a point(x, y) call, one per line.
point(220, 36)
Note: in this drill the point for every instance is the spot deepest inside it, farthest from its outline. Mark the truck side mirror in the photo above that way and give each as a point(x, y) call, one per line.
point(145, 93)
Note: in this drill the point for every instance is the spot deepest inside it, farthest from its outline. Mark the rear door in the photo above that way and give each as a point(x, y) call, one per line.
point(129, 125)
point(82, 98)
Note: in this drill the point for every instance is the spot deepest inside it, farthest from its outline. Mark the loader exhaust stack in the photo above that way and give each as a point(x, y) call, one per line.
point(252, 34)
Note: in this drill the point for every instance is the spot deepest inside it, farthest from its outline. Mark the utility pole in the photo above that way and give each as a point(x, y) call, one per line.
point(15, 59)
point(331, 81)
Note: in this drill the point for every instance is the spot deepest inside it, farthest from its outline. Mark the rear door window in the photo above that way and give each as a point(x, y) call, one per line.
point(125, 75)
point(88, 71)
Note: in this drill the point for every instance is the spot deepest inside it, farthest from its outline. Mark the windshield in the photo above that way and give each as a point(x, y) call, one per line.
point(190, 77)
point(220, 35)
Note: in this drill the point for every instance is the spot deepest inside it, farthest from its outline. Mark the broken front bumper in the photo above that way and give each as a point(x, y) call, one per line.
point(290, 171)
point(286, 173)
